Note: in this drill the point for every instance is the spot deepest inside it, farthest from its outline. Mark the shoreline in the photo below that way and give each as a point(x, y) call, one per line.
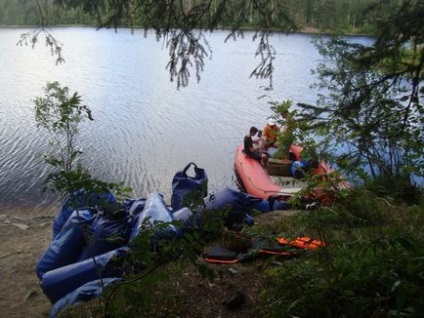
point(48, 210)
point(304, 30)
point(20, 249)
point(24, 238)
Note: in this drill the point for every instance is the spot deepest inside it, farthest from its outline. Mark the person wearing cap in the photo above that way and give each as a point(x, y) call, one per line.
point(270, 133)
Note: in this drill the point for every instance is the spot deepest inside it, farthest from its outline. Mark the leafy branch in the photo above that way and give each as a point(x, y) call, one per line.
point(60, 114)
point(182, 25)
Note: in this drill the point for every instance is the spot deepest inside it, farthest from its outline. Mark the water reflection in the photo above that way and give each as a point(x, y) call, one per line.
point(145, 129)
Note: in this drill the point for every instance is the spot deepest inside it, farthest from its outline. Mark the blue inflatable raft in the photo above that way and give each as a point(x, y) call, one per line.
point(81, 250)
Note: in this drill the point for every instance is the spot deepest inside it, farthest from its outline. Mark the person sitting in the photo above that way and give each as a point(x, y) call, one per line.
point(250, 151)
point(270, 134)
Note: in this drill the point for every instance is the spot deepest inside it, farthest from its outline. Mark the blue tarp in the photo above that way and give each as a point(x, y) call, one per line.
point(106, 234)
point(67, 270)
point(242, 202)
point(240, 206)
point(84, 293)
point(188, 188)
point(68, 245)
point(61, 281)
point(154, 211)
point(81, 200)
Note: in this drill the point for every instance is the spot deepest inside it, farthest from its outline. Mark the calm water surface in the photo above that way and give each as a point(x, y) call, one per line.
point(145, 129)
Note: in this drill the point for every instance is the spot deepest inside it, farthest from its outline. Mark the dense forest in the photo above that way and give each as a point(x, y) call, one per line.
point(340, 15)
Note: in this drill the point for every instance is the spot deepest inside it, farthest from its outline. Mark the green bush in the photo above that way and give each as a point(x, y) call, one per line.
point(372, 265)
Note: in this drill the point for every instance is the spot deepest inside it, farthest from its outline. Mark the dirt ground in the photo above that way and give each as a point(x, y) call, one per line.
point(23, 240)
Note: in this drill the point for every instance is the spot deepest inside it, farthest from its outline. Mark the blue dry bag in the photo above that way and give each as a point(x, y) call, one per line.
point(186, 188)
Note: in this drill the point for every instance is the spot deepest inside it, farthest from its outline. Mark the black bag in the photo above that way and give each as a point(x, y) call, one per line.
point(186, 189)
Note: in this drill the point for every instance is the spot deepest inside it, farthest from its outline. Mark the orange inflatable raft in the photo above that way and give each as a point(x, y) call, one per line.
point(257, 182)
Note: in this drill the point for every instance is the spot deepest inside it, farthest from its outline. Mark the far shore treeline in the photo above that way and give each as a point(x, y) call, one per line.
point(329, 15)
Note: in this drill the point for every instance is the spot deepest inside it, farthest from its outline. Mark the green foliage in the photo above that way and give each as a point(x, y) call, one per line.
point(294, 130)
point(154, 265)
point(398, 188)
point(181, 24)
point(372, 263)
point(346, 15)
point(285, 118)
point(371, 266)
point(60, 114)
point(155, 247)
point(371, 111)
point(281, 108)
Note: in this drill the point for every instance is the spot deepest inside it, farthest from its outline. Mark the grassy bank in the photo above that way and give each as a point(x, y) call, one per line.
point(371, 266)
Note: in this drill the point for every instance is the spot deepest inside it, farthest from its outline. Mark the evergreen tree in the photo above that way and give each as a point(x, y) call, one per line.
point(374, 101)
point(372, 107)
point(181, 24)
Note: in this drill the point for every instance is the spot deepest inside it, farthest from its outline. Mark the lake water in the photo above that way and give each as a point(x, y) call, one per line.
point(145, 129)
